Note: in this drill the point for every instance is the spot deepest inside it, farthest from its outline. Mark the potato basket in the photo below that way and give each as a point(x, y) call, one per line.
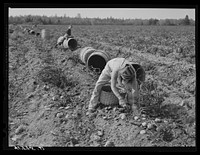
point(107, 97)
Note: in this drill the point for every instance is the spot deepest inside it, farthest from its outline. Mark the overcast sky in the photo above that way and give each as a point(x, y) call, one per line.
point(125, 13)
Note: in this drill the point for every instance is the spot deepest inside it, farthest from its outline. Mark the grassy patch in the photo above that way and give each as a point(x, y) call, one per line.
point(54, 76)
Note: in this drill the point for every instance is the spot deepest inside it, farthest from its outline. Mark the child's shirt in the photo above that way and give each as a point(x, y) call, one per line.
point(111, 70)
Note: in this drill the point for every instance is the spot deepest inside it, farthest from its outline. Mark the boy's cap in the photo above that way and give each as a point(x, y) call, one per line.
point(132, 71)
point(128, 72)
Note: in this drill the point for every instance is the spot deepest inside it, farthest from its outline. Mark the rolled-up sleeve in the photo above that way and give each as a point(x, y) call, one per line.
point(115, 90)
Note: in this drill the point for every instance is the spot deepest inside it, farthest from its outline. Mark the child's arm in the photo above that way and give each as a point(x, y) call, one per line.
point(114, 76)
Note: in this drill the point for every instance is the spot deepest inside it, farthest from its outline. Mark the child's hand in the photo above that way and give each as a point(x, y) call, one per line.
point(122, 103)
point(132, 95)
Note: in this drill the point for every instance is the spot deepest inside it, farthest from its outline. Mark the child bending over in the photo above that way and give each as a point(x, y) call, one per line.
point(122, 75)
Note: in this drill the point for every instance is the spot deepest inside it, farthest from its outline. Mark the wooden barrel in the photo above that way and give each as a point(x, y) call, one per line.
point(98, 59)
point(70, 43)
point(85, 53)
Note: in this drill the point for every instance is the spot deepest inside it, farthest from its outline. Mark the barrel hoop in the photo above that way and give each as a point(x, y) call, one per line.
point(103, 54)
point(85, 53)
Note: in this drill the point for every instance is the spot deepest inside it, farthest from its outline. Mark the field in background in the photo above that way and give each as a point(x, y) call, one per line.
point(49, 89)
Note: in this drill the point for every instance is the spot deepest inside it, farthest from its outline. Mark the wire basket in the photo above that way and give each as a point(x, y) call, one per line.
point(107, 97)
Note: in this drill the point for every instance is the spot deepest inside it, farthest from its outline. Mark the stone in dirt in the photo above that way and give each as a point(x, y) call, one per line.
point(67, 107)
point(53, 133)
point(104, 117)
point(157, 120)
point(109, 107)
point(16, 137)
point(95, 144)
point(46, 87)
point(47, 108)
point(122, 116)
point(20, 129)
point(109, 144)
point(59, 115)
point(142, 132)
point(94, 137)
point(115, 109)
point(116, 118)
point(60, 108)
point(121, 109)
point(143, 118)
point(91, 115)
point(99, 133)
point(165, 121)
point(87, 113)
point(55, 98)
point(149, 126)
point(144, 124)
point(30, 96)
point(77, 145)
point(45, 95)
point(67, 116)
point(143, 115)
point(136, 118)
point(70, 145)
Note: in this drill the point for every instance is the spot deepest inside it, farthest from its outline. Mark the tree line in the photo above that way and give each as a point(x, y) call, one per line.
point(63, 20)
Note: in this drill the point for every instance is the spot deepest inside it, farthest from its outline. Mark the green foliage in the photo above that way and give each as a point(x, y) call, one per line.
point(56, 20)
point(53, 75)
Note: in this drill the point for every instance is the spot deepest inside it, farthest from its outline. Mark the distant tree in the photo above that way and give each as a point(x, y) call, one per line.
point(78, 20)
point(153, 21)
point(192, 22)
point(78, 15)
point(145, 22)
point(167, 22)
point(138, 22)
point(28, 19)
point(49, 21)
point(92, 21)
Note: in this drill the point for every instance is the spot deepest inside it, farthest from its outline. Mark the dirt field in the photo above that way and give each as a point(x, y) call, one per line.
point(49, 88)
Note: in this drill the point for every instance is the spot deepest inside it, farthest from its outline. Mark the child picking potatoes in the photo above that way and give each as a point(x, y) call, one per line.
point(121, 74)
